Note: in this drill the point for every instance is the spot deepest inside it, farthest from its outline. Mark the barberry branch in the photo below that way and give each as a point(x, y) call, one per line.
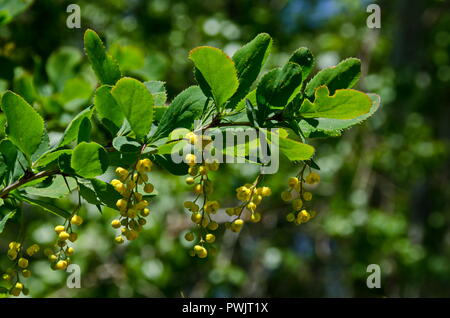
point(25, 179)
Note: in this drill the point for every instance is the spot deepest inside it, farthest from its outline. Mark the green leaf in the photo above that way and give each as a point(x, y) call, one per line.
point(43, 147)
point(292, 149)
point(89, 160)
point(5, 219)
point(104, 65)
point(26, 137)
point(72, 131)
point(277, 88)
point(178, 169)
point(50, 157)
point(76, 93)
point(217, 70)
point(62, 65)
point(344, 104)
point(47, 207)
point(109, 112)
point(130, 58)
point(57, 189)
point(249, 61)
point(327, 127)
point(14, 160)
point(158, 112)
point(344, 75)
point(158, 90)
point(24, 86)
point(136, 103)
point(89, 194)
point(126, 144)
point(185, 108)
point(64, 163)
point(305, 59)
point(3, 168)
point(106, 193)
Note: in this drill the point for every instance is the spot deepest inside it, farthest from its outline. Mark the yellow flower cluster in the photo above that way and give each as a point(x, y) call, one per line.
point(201, 212)
point(132, 206)
point(60, 255)
point(251, 196)
point(20, 267)
point(297, 194)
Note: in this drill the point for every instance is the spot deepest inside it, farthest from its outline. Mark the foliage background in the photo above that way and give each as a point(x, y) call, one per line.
point(384, 195)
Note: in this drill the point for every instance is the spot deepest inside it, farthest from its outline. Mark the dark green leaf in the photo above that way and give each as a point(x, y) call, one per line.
point(277, 88)
point(84, 132)
point(178, 169)
point(106, 193)
point(305, 59)
point(5, 219)
point(185, 108)
point(249, 61)
point(126, 144)
point(344, 75)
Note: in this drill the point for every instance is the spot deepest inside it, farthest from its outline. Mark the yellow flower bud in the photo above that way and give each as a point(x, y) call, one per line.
point(115, 224)
point(119, 239)
point(190, 160)
point(26, 273)
point(23, 262)
point(213, 226)
point(303, 216)
point(297, 204)
point(122, 204)
point(307, 196)
point(203, 170)
point(73, 237)
point(63, 236)
point(148, 188)
point(59, 228)
point(77, 220)
point(286, 196)
point(237, 225)
point(61, 265)
point(191, 138)
point(121, 171)
point(251, 206)
point(196, 217)
point(190, 180)
point(292, 182)
point(198, 189)
point(210, 238)
point(255, 217)
point(189, 236)
point(313, 178)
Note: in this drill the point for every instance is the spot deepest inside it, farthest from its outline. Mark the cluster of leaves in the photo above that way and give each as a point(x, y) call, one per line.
point(140, 123)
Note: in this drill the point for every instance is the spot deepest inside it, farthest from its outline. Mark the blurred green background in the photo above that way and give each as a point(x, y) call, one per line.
point(384, 195)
